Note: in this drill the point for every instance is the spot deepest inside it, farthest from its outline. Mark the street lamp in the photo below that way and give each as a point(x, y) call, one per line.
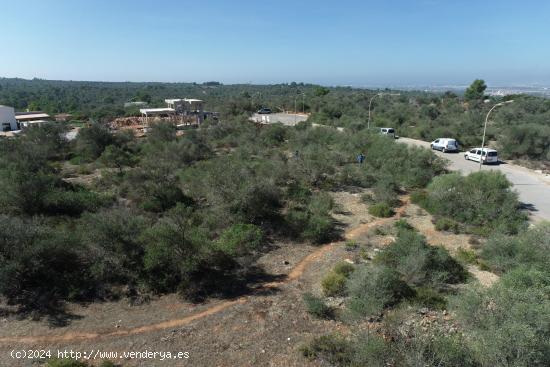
point(295, 104)
point(373, 97)
point(485, 128)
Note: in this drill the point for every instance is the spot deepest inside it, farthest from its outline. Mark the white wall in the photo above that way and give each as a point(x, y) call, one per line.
point(7, 115)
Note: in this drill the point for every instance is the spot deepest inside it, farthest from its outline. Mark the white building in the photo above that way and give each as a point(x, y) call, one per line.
point(7, 119)
point(31, 118)
point(185, 105)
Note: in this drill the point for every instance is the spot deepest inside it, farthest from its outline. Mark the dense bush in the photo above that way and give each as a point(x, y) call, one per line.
point(333, 284)
point(428, 297)
point(333, 348)
point(316, 307)
point(312, 221)
point(481, 199)
point(92, 141)
point(381, 210)
point(40, 267)
point(240, 239)
point(175, 247)
point(112, 238)
point(527, 141)
point(419, 263)
point(531, 248)
point(507, 324)
point(447, 224)
point(371, 289)
point(398, 347)
point(344, 268)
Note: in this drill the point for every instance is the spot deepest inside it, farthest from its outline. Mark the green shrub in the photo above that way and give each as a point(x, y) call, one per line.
point(428, 297)
point(419, 197)
point(371, 289)
point(386, 191)
point(381, 210)
point(419, 263)
point(316, 307)
point(483, 200)
point(344, 268)
point(532, 247)
point(174, 250)
point(72, 202)
point(240, 239)
point(370, 349)
point(319, 228)
point(447, 224)
point(402, 224)
point(333, 348)
point(314, 222)
point(40, 267)
point(526, 140)
point(411, 167)
point(114, 234)
point(334, 284)
point(507, 324)
point(92, 141)
point(467, 256)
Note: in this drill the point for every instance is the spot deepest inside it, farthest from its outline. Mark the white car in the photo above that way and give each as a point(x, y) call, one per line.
point(488, 155)
point(387, 131)
point(445, 145)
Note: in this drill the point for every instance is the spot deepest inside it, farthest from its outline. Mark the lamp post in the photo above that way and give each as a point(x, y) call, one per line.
point(373, 97)
point(485, 128)
point(296, 103)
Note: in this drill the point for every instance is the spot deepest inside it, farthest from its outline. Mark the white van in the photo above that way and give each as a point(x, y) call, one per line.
point(387, 131)
point(445, 145)
point(487, 156)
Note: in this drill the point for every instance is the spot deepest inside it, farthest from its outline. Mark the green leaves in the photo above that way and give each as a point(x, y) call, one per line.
point(475, 90)
point(240, 239)
point(481, 199)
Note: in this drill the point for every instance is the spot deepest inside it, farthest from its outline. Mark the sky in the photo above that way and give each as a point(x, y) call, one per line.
point(346, 42)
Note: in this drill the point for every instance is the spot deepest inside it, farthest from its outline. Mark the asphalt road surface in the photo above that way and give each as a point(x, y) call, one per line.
point(533, 187)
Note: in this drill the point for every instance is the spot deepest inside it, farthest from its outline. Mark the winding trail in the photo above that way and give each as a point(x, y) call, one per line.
point(294, 274)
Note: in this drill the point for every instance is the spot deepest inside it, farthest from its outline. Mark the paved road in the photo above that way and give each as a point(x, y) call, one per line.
point(533, 188)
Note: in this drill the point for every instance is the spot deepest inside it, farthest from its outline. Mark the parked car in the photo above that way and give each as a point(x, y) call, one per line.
point(387, 131)
point(445, 145)
point(487, 156)
point(264, 111)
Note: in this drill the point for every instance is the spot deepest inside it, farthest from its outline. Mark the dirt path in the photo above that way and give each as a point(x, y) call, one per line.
point(293, 275)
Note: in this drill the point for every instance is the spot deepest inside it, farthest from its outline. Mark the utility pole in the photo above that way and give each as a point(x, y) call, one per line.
point(295, 98)
point(485, 129)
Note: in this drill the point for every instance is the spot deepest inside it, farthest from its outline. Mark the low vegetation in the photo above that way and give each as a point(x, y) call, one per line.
point(317, 307)
point(482, 202)
point(500, 325)
point(109, 215)
point(168, 213)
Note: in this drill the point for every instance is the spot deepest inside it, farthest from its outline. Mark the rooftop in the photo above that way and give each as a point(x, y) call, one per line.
point(24, 116)
point(156, 110)
point(174, 100)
